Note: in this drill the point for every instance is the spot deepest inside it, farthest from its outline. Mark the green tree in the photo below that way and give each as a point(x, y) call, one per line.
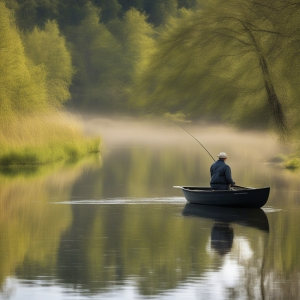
point(222, 59)
point(136, 37)
point(71, 12)
point(128, 4)
point(31, 13)
point(187, 3)
point(22, 84)
point(160, 10)
point(97, 59)
point(287, 18)
point(109, 10)
point(47, 48)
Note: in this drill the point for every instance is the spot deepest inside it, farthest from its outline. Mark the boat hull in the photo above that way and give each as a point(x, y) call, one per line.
point(242, 197)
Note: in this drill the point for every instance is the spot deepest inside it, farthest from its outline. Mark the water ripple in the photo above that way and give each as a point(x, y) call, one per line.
point(111, 201)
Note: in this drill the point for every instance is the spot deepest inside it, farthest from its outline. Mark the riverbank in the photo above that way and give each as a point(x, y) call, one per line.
point(41, 139)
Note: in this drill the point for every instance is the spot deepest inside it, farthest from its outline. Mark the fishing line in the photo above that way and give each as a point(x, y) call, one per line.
point(191, 136)
point(151, 112)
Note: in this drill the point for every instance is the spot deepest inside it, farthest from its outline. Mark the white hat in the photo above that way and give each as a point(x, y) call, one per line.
point(222, 155)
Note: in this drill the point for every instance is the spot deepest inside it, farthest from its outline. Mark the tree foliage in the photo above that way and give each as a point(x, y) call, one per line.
point(48, 48)
point(36, 71)
point(97, 60)
point(236, 61)
point(32, 13)
point(22, 84)
point(227, 60)
point(136, 37)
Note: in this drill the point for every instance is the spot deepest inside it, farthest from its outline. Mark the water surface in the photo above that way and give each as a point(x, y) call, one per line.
point(113, 227)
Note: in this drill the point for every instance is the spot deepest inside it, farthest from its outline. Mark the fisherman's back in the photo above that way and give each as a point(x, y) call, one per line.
point(220, 175)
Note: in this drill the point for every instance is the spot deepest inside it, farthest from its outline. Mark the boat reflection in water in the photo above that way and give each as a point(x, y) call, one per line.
point(222, 232)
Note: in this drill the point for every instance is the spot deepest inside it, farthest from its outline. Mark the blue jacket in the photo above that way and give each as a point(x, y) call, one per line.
point(220, 174)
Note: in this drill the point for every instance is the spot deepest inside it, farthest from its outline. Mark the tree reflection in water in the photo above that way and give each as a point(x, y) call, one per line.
point(94, 248)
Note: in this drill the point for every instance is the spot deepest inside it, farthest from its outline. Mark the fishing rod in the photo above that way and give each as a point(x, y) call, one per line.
point(190, 135)
point(184, 130)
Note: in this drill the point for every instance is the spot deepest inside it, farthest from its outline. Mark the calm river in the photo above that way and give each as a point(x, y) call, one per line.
point(113, 227)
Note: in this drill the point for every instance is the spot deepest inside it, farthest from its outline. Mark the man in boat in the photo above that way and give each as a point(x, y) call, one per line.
point(221, 174)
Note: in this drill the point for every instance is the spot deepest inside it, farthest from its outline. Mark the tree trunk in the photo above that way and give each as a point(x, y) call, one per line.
point(273, 101)
point(275, 106)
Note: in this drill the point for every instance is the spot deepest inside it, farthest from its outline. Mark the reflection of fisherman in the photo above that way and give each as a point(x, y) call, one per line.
point(221, 238)
point(220, 174)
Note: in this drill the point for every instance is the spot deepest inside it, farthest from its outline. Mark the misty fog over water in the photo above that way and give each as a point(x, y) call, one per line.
point(249, 152)
point(160, 132)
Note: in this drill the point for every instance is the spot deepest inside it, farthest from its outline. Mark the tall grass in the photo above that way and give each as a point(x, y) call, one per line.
point(39, 139)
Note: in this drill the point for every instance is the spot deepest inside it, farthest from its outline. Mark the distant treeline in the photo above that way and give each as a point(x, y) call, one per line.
point(108, 42)
point(236, 61)
point(31, 13)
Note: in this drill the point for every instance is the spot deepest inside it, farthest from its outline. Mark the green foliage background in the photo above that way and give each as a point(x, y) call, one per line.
point(108, 43)
point(235, 62)
point(36, 72)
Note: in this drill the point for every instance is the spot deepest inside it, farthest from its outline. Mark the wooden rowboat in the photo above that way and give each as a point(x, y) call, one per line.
point(238, 196)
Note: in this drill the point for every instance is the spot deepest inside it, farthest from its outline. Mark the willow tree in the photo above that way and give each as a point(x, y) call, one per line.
point(222, 60)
